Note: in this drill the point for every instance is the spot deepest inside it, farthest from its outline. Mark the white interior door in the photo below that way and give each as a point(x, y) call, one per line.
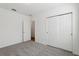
point(26, 29)
point(59, 31)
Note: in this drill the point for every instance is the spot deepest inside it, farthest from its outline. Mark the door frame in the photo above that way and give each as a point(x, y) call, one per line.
point(22, 30)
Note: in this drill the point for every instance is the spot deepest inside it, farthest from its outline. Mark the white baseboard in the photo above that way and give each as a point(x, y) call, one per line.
point(9, 44)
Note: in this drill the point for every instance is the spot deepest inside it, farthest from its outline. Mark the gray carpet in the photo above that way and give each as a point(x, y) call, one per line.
point(31, 48)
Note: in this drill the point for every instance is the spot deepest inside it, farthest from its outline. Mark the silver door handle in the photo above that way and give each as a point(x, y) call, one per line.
point(47, 32)
point(71, 34)
point(23, 32)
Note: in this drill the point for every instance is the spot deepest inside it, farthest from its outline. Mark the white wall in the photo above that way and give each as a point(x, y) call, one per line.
point(41, 21)
point(11, 27)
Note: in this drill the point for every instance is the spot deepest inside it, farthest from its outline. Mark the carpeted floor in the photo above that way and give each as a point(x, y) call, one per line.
point(31, 48)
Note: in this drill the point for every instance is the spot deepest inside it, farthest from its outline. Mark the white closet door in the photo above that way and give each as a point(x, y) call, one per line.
point(52, 31)
point(59, 31)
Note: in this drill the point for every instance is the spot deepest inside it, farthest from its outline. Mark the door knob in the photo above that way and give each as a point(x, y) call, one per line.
point(23, 32)
point(71, 34)
point(46, 32)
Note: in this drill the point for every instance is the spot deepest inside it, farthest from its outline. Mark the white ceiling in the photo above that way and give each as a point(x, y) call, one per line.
point(29, 8)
